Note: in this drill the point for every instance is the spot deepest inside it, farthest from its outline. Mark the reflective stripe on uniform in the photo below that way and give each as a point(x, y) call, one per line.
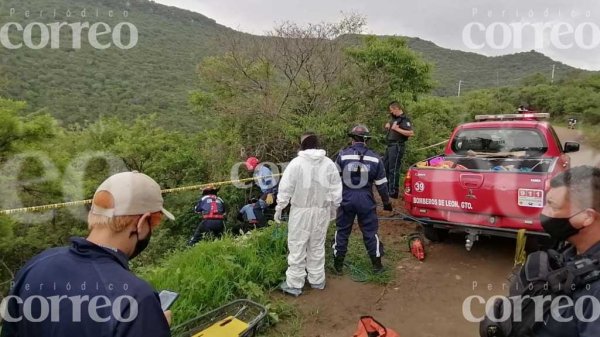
point(357, 157)
point(334, 244)
point(381, 181)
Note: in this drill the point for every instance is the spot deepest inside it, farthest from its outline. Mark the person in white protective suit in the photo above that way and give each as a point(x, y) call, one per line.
point(311, 184)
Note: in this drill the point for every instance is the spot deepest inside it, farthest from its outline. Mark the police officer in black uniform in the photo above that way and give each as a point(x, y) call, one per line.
point(399, 129)
point(557, 293)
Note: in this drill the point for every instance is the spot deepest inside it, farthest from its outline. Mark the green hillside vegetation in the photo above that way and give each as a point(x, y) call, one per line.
point(156, 76)
point(255, 109)
point(79, 85)
point(43, 162)
point(477, 71)
point(254, 97)
point(258, 262)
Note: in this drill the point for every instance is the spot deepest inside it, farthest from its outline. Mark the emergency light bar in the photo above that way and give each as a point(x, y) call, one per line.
point(525, 116)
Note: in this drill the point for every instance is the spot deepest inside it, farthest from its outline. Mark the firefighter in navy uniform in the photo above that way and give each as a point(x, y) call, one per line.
point(360, 168)
point(399, 129)
point(212, 208)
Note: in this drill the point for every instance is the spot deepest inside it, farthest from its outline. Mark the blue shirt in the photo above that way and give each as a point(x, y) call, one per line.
point(100, 296)
point(248, 210)
point(263, 179)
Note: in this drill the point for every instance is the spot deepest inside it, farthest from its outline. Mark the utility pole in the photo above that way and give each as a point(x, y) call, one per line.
point(459, 84)
point(497, 84)
point(552, 80)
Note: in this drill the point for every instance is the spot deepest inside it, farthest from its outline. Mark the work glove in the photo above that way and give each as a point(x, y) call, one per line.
point(332, 213)
point(269, 199)
point(387, 207)
point(277, 216)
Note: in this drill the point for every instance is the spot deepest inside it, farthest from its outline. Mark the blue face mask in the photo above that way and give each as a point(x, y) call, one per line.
point(559, 228)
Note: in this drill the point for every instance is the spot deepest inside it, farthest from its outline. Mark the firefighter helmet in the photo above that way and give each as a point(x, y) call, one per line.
point(360, 133)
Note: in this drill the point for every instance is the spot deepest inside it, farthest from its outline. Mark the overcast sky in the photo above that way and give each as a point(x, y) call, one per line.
point(567, 31)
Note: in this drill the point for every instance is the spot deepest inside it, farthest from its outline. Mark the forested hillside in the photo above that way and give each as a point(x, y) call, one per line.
point(254, 97)
point(157, 75)
point(76, 85)
point(477, 71)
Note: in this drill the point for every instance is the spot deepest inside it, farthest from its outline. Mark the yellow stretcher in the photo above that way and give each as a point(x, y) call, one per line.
point(229, 327)
point(241, 318)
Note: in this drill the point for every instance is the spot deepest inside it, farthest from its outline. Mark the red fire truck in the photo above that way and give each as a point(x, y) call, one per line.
point(491, 179)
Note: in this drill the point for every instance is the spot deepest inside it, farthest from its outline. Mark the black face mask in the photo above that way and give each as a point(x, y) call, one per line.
point(559, 228)
point(141, 244)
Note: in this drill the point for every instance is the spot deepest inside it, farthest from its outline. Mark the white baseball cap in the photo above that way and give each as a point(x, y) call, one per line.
point(133, 193)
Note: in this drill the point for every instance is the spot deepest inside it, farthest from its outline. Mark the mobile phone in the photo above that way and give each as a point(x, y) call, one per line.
point(167, 298)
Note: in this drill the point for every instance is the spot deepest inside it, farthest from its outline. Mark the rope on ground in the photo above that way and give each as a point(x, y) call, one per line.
point(89, 201)
point(520, 255)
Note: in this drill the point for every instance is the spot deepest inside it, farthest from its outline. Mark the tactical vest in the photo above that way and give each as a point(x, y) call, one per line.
point(546, 273)
point(214, 213)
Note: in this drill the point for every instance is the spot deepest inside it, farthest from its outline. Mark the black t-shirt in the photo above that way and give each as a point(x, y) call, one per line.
point(404, 123)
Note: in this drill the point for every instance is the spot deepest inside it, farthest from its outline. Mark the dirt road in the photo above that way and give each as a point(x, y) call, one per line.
point(586, 154)
point(425, 299)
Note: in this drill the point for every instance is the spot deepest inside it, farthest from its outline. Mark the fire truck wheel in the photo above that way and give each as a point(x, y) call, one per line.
point(435, 234)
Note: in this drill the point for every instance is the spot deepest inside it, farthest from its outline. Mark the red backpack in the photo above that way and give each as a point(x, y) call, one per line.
point(369, 327)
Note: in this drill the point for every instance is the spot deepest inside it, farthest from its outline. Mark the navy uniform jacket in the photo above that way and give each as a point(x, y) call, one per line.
point(360, 168)
point(83, 271)
point(203, 206)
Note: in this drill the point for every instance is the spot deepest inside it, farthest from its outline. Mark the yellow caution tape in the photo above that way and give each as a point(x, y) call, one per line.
point(520, 255)
point(89, 201)
point(170, 190)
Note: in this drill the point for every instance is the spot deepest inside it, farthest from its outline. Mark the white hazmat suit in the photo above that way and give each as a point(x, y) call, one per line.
point(311, 183)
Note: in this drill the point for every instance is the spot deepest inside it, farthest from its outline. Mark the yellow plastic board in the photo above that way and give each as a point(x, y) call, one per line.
point(229, 327)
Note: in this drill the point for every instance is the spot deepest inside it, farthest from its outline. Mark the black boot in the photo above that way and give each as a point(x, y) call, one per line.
point(338, 265)
point(377, 266)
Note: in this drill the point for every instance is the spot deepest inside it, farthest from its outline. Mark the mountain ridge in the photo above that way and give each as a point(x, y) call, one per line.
point(158, 74)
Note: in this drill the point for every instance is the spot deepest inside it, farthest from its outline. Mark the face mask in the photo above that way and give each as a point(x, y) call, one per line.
point(141, 244)
point(559, 228)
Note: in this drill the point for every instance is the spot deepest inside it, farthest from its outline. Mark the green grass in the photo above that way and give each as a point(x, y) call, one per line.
point(214, 273)
point(357, 264)
point(592, 136)
point(287, 314)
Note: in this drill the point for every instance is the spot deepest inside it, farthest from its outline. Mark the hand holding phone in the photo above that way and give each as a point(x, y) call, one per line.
point(167, 298)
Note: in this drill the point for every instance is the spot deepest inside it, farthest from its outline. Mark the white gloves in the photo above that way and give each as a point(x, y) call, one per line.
point(277, 216)
point(332, 213)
